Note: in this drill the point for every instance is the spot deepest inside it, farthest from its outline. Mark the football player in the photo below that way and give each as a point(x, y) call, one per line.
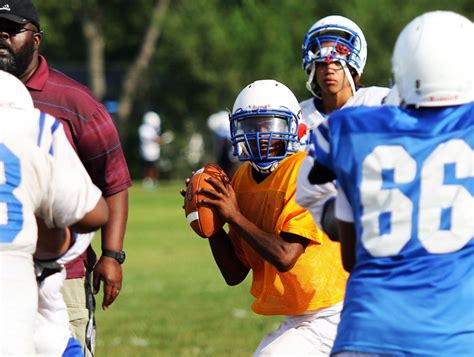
point(406, 200)
point(334, 57)
point(296, 270)
point(34, 181)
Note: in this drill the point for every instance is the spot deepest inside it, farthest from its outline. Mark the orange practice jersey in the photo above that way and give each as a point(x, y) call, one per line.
point(318, 279)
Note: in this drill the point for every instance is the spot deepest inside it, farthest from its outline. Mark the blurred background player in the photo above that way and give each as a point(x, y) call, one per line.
point(93, 136)
point(149, 133)
point(219, 124)
point(56, 188)
point(406, 199)
point(334, 57)
point(296, 269)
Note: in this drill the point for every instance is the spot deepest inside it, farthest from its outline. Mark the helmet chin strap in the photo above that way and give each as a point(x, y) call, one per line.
point(267, 170)
point(348, 74)
point(310, 80)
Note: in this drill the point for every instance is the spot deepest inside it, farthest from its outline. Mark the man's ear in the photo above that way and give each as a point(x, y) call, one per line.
point(37, 38)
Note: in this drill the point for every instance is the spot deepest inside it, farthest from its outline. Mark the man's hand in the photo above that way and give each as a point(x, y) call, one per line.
point(222, 198)
point(109, 271)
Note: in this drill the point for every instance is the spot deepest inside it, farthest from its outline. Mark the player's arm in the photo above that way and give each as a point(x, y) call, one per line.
point(348, 241)
point(54, 242)
point(282, 251)
point(346, 229)
point(320, 150)
point(224, 253)
point(230, 266)
point(317, 199)
point(93, 219)
point(320, 174)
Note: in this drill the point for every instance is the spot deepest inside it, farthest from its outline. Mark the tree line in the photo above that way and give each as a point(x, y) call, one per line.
point(187, 59)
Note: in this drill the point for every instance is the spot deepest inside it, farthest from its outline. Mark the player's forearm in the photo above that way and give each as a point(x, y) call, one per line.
point(113, 232)
point(230, 266)
point(94, 219)
point(271, 247)
point(347, 237)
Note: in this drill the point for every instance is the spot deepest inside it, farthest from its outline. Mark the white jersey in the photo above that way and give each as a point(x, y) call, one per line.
point(370, 96)
point(40, 174)
point(314, 197)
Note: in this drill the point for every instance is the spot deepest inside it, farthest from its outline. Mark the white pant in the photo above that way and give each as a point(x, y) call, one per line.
point(311, 334)
point(52, 322)
point(18, 304)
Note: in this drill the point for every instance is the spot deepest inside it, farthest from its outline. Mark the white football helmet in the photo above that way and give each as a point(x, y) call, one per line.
point(429, 60)
point(264, 124)
point(350, 46)
point(153, 119)
point(13, 93)
point(219, 124)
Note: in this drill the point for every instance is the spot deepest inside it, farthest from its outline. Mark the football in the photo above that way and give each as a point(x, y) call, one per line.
point(203, 220)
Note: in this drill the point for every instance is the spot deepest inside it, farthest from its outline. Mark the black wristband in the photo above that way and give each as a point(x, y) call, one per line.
point(118, 256)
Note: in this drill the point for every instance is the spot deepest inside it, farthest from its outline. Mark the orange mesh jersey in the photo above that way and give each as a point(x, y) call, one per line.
point(318, 279)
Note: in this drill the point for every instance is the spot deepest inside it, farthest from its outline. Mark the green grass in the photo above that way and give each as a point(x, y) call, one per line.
point(174, 301)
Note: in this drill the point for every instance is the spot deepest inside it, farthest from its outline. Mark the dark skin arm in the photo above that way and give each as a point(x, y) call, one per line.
point(232, 269)
point(347, 235)
point(229, 264)
point(282, 251)
point(329, 221)
point(107, 269)
point(54, 242)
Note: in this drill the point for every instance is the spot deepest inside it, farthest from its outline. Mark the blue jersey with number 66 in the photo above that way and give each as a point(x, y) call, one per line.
point(408, 175)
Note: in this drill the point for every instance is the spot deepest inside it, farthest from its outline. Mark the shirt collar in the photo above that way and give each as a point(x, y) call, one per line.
point(38, 80)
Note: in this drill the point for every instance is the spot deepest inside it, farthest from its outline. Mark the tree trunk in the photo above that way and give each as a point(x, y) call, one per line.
point(91, 27)
point(141, 63)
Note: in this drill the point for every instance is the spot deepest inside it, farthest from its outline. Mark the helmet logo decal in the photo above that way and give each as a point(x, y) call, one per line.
point(341, 49)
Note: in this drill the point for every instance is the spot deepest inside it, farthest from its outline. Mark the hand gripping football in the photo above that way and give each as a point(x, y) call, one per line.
point(203, 220)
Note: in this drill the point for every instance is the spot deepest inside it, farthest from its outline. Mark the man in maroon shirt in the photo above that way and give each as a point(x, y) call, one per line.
point(93, 135)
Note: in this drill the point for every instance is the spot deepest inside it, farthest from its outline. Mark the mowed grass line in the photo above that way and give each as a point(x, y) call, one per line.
point(174, 301)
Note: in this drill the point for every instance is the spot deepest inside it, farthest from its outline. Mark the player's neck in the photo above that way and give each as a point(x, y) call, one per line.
point(332, 102)
point(259, 176)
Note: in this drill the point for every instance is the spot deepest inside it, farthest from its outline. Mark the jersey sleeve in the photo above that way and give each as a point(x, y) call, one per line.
point(321, 148)
point(295, 219)
point(312, 197)
point(71, 193)
point(343, 210)
point(80, 243)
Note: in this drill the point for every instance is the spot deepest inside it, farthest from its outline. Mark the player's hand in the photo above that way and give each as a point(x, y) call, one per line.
point(183, 190)
point(222, 198)
point(109, 272)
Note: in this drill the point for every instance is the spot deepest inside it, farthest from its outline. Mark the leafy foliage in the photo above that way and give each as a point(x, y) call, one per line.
point(210, 49)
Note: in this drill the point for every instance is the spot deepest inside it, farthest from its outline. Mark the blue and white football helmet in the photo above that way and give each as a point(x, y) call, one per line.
point(349, 46)
point(264, 124)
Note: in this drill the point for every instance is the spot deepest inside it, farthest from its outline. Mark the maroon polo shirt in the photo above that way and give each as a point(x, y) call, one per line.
point(90, 131)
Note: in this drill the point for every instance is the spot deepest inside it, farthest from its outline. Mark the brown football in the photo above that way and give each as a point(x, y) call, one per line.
point(203, 220)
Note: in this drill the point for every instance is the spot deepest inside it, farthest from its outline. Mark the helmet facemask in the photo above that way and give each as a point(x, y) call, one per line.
point(264, 137)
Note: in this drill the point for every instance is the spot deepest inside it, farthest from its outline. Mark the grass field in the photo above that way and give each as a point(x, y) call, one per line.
point(174, 301)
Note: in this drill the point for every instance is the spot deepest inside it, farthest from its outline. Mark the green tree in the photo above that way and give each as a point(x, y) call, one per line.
point(209, 49)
